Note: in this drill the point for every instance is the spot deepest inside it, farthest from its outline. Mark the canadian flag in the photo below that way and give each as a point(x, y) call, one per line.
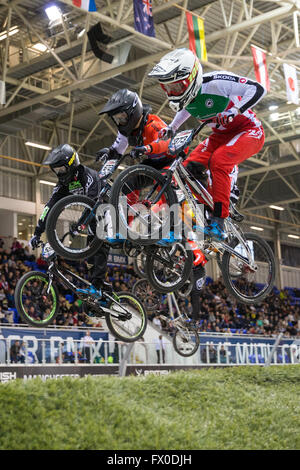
point(291, 82)
point(260, 67)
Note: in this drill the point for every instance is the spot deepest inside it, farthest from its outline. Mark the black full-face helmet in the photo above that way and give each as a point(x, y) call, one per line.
point(64, 162)
point(125, 109)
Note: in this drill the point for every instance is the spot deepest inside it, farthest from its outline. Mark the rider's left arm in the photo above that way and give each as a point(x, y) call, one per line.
point(242, 91)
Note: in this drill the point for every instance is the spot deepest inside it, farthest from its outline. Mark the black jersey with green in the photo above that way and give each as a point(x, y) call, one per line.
point(86, 181)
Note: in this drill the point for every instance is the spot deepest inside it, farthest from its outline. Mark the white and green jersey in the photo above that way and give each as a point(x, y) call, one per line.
point(219, 92)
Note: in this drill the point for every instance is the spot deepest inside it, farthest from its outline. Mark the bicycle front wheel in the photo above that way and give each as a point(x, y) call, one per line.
point(36, 303)
point(71, 228)
point(143, 205)
point(127, 319)
point(186, 342)
point(247, 285)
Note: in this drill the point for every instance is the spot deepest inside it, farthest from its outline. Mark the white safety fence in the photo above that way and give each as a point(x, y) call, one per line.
point(70, 351)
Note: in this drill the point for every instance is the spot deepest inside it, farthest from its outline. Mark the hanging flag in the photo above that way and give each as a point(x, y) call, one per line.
point(88, 5)
point(143, 19)
point(260, 67)
point(196, 35)
point(291, 83)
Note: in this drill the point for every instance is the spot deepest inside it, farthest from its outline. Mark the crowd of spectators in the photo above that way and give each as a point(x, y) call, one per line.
point(219, 312)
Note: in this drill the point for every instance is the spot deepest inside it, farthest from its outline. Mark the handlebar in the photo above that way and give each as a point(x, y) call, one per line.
point(202, 125)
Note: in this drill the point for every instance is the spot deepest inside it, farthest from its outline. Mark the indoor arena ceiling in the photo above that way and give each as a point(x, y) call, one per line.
point(55, 85)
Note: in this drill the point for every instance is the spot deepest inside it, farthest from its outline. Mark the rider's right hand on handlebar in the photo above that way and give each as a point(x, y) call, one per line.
point(102, 154)
point(166, 133)
point(34, 242)
point(140, 151)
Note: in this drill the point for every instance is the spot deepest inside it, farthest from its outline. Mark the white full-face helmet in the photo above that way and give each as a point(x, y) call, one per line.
point(180, 75)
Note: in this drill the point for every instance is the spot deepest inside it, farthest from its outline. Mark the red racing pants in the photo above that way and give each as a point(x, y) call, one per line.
point(219, 153)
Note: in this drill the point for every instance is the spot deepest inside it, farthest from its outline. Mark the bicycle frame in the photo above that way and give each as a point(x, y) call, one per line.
point(194, 191)
point(54, 272)
point(85, 220)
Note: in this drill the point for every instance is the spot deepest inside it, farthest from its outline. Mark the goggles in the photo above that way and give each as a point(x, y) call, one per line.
point(121, 119)
point(176, 88)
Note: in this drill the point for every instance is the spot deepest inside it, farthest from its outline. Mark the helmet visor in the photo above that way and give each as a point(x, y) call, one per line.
point(121, 119)
point(175, 88)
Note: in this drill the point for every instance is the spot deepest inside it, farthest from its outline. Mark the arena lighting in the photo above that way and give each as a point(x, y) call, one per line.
point(53, 13)
point(39, 146)
point(259, 229)
point(274, 116)
point(39, 47)
point(296, 237)
point(50, 183)
point(13, 30)
point(277, 208)
point(81, 33)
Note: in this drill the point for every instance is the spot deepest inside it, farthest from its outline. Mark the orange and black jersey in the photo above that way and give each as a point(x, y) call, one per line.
point(158, 149)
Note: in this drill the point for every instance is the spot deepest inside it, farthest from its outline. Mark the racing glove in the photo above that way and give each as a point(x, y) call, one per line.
point(166, 133)
point(139, 151)
point(225, 118)
point(34, 241)
point(106, 153)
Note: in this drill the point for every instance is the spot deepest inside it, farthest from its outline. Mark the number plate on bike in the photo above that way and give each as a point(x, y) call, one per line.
point(180, 141)
point(107, 168)
point(47, 251)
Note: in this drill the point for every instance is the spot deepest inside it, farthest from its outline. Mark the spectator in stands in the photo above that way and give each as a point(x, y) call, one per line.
point(160, 347)
point(16, 245)
point(209, 354)
point(15, 355)
point(280, 311)
point(3, 318)
point(87, 344)
point(156, 321)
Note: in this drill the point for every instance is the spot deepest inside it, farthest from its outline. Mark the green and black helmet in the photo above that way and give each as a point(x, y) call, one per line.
point(64, 162)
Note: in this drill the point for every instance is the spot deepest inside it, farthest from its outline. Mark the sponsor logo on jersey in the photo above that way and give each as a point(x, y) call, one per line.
point(44, 213)
point(243, 80)
point(200, 283)
point(209, 103)
point(225, 77)
point(74, 185)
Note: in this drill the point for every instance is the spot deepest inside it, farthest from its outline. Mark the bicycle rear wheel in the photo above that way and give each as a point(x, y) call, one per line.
point(168, 268)
point(127, 320)
point(186, 342)
point(35, 305)
point(184, 291)
point(147, 295)
point(139, 265)
point(68, 233)
point(143, 215)
point(249, 286)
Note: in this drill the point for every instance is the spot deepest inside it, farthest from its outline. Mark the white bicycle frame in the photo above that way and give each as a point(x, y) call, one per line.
point(177, 169)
